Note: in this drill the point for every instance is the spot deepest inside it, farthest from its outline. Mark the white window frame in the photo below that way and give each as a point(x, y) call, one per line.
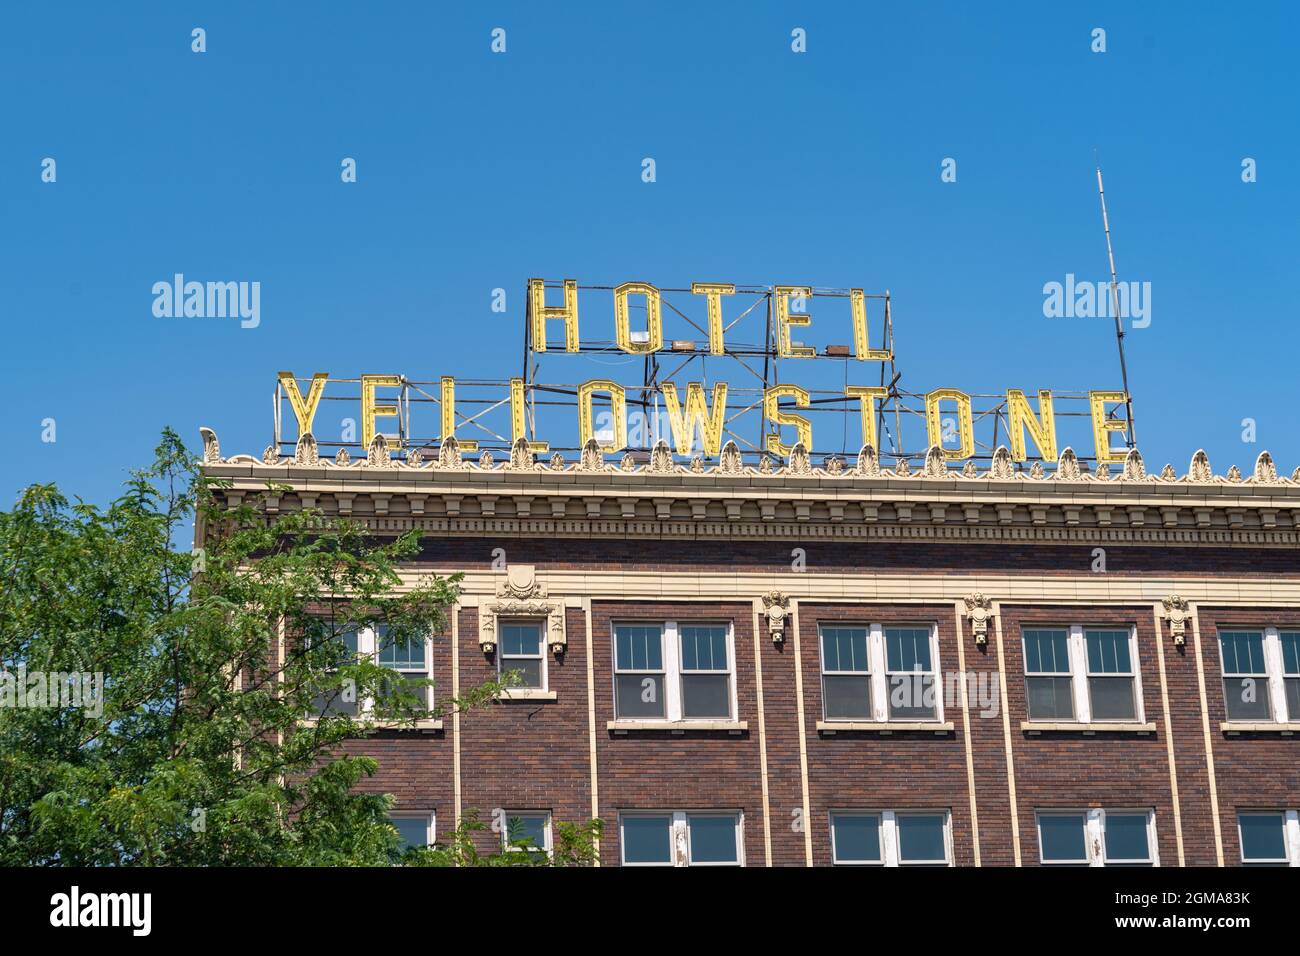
point(679, 839)
point(670, 636)
point(1094, 835)
point(429, 816)
point(1290, 837)
point(368, 645)
point(547, 839)
point(877, 661)
point(1274, 672)
point(890, 854)
point(540, 623)
point(1077, 647)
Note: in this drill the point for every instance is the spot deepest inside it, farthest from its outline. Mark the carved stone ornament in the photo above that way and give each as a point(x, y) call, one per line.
point(777, 612)
point(521, 595)
point(1176, 613)
point(979, 610)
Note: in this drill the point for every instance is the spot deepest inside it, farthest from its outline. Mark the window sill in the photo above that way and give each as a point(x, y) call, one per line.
point(1096, 727)
point(421, 726)
point(831, 727)
point(677, 726)
point(527, 693)
point(1251, 727)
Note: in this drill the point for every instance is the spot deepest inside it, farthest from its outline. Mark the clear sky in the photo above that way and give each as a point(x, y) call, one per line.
point(477, 170)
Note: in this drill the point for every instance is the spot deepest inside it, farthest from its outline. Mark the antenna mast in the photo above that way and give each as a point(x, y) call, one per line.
point(1130, 437)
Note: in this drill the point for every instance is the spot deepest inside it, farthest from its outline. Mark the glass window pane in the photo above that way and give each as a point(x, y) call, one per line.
point(907, 649)
point(1112, 698)
point(639, 695)
point(704, 648)
point(647, 839)
point(921, 838)
point(1050, 698)
point(856, 837)
point(411, 831)
point(1247, 698)
point(1263, 836)
point(1290, 652)
point(844, 648)
point(1293, 698)
point(1243, 652)
point(1061, 838)
point(529, 668)
point(704, 695)
point(527, 826)
point(912, 696)
point(521, 639)
point(1108, 652)
point(712, 839)
point(1126, 837)
point(1047, 652)
point(847, 697)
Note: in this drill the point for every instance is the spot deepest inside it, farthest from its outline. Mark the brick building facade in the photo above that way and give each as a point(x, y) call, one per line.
point(802, 665)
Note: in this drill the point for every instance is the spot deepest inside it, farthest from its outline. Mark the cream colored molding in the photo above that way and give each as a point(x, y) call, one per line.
point(978, 611)
point(527, 693)
point(776, 611)
point(452, 497)
point(885, 727)
point(1257, 727)
point(1176, 614)
point(1071, 727)
point(521, 595)
point(966, 736)
point(373, 726)
point(455, 713)
point(591, 721)
point(797, 662)
point(1209, 742)
point(1006, 736)
point(762, 738)
point(1170, 754)
point(677, 726)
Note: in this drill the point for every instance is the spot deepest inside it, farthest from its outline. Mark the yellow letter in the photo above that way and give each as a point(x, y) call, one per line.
point(697, 412)
point(1020, 416)
point(623, 328)
point(784, 320)
point(541, 312)
point(867, 395)
point(618, 403)
point(966, 426)
point(714, 291)
point(448, 405)
point(1102, 426)
point(517, 429)
point(369, 410)
point(858, 303)
point(801, 425)
point(304, 410)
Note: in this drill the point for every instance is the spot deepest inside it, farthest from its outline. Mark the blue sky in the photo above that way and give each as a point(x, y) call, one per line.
point(478, 170)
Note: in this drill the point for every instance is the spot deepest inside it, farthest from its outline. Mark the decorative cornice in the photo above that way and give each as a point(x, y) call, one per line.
point(839, 500)
point(866, 465)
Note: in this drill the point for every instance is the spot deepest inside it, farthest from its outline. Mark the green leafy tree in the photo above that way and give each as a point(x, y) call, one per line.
point(194, 749)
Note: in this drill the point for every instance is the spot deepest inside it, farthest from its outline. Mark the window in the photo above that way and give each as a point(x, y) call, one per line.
point(891, 838)
point(413, 829)
point(1261, 674)
point(1269, 837)
point(1078, 674)
point(523, 650)
point(530, 829)
point(1097, 837)
point(674, 671)
point(878, 673)
point(680, 838)
point(407, 656)
point(342, 650)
